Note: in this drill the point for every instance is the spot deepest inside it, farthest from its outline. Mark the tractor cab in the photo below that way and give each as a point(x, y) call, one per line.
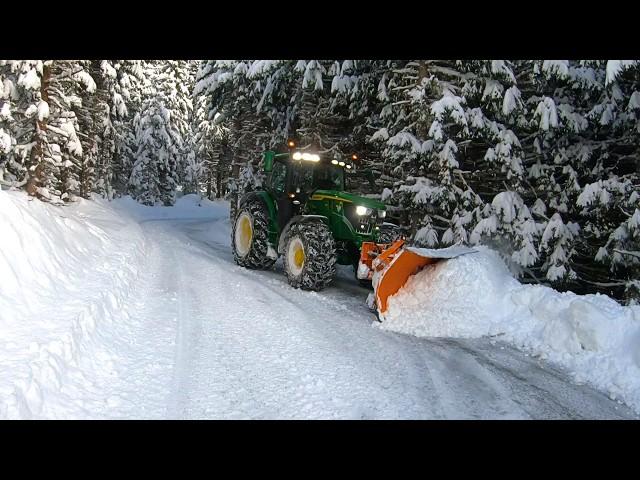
point(303, 172)
point(293, 178)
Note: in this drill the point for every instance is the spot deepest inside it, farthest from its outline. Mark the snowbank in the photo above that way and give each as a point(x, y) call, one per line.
point(68, 278)
point(65, 276)
point(474, 295)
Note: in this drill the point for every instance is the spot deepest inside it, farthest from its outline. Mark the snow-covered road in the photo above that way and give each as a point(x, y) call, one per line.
point(208, 339)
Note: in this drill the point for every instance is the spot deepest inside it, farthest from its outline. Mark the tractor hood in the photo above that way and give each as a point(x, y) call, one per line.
point(348, 198)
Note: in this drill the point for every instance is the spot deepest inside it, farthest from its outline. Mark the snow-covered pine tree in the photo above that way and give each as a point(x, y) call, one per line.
point(117, 98)
point(423, 119)
point(94, 125)
point(555, 156)
point(174, 84)
point(567, 108)
point(608, 202)
point(21, 131)
point(209, 169)
point(354, 93)
point(154, 177)
point(45, 94)
point(233, 99)
point(68, 168)
point(495, 160)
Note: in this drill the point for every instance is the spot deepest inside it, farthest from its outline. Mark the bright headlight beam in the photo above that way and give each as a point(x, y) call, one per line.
point(360, 210)
point(310, 157)
point(335, 162)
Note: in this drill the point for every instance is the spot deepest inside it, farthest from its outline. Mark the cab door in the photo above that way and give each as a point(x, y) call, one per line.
point(277, 186)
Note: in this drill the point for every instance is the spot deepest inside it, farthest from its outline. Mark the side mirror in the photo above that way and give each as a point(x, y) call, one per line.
point(268, 161)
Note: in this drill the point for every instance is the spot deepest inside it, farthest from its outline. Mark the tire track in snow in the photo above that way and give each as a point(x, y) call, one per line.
point(249, 346)
point(549, 392)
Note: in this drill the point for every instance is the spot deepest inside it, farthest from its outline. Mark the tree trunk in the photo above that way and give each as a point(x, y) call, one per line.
point(218, 184)
point(422, 131)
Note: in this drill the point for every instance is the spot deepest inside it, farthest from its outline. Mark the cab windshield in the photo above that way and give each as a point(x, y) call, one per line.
point(322, 176)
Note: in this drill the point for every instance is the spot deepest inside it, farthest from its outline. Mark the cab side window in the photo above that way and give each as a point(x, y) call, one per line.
point(278, 177)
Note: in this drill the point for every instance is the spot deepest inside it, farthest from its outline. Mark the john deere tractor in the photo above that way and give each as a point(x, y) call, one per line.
point(304, 214)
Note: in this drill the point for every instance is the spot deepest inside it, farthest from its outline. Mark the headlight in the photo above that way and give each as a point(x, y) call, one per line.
point(311, 157)
point(360, 210)
point(382, 213)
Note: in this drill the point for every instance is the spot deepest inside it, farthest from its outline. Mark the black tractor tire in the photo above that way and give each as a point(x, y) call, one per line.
point(389, 233)
point(254, 252)
point(318, 266)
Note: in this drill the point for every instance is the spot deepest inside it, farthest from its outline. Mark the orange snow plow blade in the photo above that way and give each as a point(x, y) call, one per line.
point(390, 266)
point(405, 263)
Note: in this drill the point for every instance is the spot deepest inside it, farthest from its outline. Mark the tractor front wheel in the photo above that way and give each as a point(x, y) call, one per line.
point(310, 256)
point(250, 236)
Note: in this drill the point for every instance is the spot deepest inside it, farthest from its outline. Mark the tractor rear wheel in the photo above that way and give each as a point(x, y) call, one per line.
point(250, 236)
point(310, 256)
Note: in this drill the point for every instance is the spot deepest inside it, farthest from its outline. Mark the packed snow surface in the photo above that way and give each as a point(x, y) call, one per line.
point(117, 310)
point(473, 296)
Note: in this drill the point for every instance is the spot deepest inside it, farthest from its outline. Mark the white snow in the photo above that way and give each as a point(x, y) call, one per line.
point(5, 112)
point(86, 80)
point(546, 110)
point(615, 67)
point(43, 110)
point(70, 280)
point(64, 278)
point(30, 80)
point(117, 310)
point(559, 67)
point(5, 141)
point(593, 337)
point(512, 99)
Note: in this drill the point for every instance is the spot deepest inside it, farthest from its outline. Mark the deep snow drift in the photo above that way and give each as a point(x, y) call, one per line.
point(592, 336)
point(65, 272)
point(68, 278)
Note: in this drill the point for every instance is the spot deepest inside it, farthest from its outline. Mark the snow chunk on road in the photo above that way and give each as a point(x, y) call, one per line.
point(592, 336)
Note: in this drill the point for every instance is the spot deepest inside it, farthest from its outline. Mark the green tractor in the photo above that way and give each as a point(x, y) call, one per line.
point(304, 214)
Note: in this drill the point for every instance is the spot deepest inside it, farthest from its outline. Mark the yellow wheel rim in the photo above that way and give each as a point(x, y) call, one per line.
point(244, 234)
point(298, 256)
point(295, 256)
point(247, 231)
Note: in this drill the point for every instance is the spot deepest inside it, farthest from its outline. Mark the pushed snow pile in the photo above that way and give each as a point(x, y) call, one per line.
point(433, 302)
point(474, 295)
point(66, 274)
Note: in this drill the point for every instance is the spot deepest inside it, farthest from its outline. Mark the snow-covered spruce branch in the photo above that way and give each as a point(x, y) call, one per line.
point(626, 252)
point(605, 284)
